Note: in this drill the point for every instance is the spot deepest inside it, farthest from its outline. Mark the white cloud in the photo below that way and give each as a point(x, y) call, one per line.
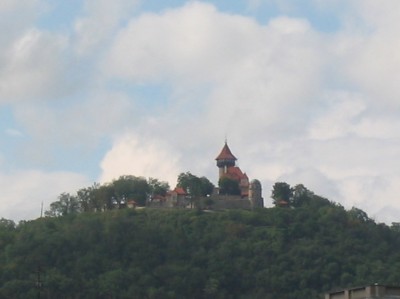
point(80, 123)
point(379, 127)
point(101, 19)
point(16, 17)
point(28, 57)
point(7, 6)
point(252, 78)
point(159, 47)
point(340, 116)
point(13, 132)
point(212, 47)
point(299, 105)
point(32, 67)
point(24, 191)
point(255, 71)
point(366, 49)
point(381, 16)
point(132, 155)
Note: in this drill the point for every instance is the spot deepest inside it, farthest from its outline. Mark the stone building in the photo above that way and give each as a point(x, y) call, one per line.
point(250, 191)
point(255, 194)
point(375, 291)
point(176, 198)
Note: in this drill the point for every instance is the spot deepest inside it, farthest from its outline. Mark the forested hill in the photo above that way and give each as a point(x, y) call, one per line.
point(268, 253)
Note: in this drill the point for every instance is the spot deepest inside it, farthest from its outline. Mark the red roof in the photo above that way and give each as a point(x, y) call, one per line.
point(235, 173)
point(226, 154)
point(180, 191)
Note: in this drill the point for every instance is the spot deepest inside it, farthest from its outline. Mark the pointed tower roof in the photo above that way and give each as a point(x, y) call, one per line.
point(226, 154)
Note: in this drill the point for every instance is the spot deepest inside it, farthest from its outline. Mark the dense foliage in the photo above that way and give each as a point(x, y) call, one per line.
point(159, 253)
point(108, 196)
point(127, 188)
point(281, 192)
point(228, 186)
point(194, 185)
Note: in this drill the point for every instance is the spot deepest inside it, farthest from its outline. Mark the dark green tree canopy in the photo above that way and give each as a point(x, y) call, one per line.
point(196, 186)
point(158, 187)
point(131, 187)
point(281, 191)
point(228, 186)
point(359, 215)
point(108, 196)
point(66, 205)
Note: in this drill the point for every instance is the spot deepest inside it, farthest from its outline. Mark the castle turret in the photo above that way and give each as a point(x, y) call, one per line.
point(225, 160)
point(255, 194)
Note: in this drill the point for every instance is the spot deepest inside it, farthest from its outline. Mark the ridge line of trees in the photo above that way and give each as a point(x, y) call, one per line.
point(117, 194)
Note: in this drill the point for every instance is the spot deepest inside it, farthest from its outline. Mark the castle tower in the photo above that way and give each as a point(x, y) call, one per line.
point(255, 194)
point(225, 160)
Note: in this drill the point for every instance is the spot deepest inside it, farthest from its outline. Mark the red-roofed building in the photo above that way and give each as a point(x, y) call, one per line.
point(225, 160)
point(176, 197)
point(179, 191)
point(251, 191)
point(226, 163)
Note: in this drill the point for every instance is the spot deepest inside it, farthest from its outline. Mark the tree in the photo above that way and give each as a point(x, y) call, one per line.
point(88, 200)
point(281, 192)
point(131, 187)
point(157, 187)
point(103, 197)
point(359, 214)
point(228, 186)
point(301, 195)
point(66, 205)
point(197, 186)
point(207, 187)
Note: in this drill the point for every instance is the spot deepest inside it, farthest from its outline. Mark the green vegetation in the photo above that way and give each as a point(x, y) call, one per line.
point(286, 253)
point(228, 186)
point(281, 192)
point(125, 189)
point(194, 185)
point(108, 196)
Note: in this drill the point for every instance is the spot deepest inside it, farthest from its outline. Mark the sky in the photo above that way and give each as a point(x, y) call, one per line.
point(305, 92)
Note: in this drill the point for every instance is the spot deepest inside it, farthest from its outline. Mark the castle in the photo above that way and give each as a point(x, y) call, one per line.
point(250, 191)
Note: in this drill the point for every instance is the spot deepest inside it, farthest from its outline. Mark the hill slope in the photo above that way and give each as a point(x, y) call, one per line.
point(266, 253)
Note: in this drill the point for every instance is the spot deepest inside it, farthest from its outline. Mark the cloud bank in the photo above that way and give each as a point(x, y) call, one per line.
point(156, 92)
